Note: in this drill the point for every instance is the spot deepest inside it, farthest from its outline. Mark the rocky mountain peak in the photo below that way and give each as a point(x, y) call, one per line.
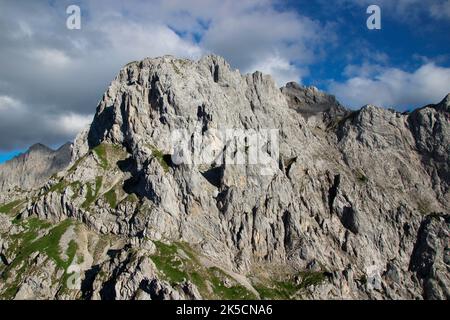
point(39, 147)
point(336, 203)
point(445, 103)
point(166, 93)
point(32, 168)
point(310, 101)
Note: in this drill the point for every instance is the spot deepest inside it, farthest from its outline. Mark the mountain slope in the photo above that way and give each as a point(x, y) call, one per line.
point(353, 204)
point(32, 168)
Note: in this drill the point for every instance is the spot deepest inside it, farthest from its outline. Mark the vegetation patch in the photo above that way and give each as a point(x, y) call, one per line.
point(179, 262)
point(48, 244)
point(291, 288)
point(76, 187)
point(214, 283)
point(161, 158)
point(58, 187)
point(28, 242)
point(100, 152)
point(218, 278)
point(76, 164)
point(169, 263)
point(61, 186)
point(278, 290)
point(311, 278)
point(108, 154)
point(132, 198)
point(111, 198)
point(70, 253)
point(92, 194)
point(9, 207)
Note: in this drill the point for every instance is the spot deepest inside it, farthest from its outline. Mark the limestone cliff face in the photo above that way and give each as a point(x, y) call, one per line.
point(34, 167)
point(354, 205)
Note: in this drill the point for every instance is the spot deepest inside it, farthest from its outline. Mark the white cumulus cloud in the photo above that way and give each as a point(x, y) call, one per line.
point(280, 69)
point(393, 87)
point(69, 124)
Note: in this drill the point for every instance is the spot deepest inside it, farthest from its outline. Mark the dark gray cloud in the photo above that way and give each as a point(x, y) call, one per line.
point(52, 78)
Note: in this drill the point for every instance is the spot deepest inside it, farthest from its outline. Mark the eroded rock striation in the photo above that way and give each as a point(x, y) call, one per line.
point(354, 206)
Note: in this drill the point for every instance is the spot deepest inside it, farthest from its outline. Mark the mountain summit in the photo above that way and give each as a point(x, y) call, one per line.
point(32, 168)
point(197, 182)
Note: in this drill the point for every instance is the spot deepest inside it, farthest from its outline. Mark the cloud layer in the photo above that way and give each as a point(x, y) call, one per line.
point(392, 87)
point(52, 78)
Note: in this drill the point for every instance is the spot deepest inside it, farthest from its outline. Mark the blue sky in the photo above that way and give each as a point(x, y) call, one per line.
point(404, 41)
point(52, 77)
point(4, 156)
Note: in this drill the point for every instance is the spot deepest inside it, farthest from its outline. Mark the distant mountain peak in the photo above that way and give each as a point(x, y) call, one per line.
point(34, 167)
point(39, 147)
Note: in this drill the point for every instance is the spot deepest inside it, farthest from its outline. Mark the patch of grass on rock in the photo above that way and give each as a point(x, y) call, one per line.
point(100, 152)
point(178, 262)
point(111, 198)
point(9, 207)
point(92, 194)
point(29, 242)
point(161, 158)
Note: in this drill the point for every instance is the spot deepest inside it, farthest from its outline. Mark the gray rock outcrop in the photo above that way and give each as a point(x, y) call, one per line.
point(354, 206)
point(34, 167)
